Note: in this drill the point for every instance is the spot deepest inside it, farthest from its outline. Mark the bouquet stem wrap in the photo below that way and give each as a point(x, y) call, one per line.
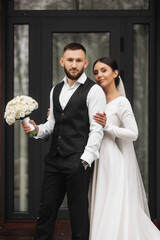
point(33, 131)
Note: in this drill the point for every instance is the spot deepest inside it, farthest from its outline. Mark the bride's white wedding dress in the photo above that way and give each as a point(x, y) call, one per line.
point(118, 207)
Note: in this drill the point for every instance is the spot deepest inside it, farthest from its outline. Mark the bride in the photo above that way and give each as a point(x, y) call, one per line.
point(118, 207)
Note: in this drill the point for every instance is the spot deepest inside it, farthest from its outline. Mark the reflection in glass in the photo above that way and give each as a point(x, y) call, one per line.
point(81, 5)
point(96, 44)
point(21, 59)
point(141, 69)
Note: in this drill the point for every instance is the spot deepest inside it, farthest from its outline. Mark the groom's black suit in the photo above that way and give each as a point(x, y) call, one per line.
point(64, 171)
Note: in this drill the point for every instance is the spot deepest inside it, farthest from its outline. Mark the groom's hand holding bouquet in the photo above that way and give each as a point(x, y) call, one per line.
point(28, 126)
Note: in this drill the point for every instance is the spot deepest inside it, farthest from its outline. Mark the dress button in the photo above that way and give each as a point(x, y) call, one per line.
point(59, 137)
point(57, 148)
point(62, 114)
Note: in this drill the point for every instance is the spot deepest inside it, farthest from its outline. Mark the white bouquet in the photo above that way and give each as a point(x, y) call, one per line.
point(18, 109)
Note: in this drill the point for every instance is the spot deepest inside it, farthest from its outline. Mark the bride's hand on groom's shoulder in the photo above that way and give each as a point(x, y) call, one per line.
point(100, 118)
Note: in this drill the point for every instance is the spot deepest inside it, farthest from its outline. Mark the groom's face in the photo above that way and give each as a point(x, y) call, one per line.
point(74, 62)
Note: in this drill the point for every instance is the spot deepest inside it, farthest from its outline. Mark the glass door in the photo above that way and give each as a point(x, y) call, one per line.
point(36, 69)
point(37, 48)
point(98, 43)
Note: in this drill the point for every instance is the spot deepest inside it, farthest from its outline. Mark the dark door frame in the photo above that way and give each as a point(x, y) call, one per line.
point(33, 18)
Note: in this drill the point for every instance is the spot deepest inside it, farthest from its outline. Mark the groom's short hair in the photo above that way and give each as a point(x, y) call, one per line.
point(74, 46)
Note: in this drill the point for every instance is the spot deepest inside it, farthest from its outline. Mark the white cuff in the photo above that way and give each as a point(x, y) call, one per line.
point(88, 157)
point(40, 132)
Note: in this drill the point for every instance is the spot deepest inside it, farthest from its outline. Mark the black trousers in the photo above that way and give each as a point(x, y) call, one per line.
point(64, 175)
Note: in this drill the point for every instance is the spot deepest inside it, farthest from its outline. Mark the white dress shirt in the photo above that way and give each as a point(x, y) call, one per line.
point(96, 102)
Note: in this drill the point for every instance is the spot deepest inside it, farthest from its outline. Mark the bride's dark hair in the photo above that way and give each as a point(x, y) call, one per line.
point(110, 62)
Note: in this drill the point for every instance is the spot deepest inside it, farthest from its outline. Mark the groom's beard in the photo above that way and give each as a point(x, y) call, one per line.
point(73, 76)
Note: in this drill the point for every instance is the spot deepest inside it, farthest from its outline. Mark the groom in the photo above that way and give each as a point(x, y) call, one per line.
point(76, 138)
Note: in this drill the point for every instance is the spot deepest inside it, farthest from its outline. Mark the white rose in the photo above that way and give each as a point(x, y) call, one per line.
point(22, 114)
point(10, 119)
point(27, 112)
point(18, 115)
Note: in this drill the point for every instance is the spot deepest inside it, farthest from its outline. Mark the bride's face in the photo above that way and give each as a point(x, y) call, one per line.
point(104, 75)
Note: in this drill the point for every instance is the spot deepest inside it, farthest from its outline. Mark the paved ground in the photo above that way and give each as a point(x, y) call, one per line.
point(25, 230)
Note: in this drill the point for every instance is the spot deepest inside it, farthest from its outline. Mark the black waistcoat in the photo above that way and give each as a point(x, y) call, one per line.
point(70, 134)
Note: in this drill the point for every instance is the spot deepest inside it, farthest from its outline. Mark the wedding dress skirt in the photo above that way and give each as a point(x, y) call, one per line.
point(118, 205)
